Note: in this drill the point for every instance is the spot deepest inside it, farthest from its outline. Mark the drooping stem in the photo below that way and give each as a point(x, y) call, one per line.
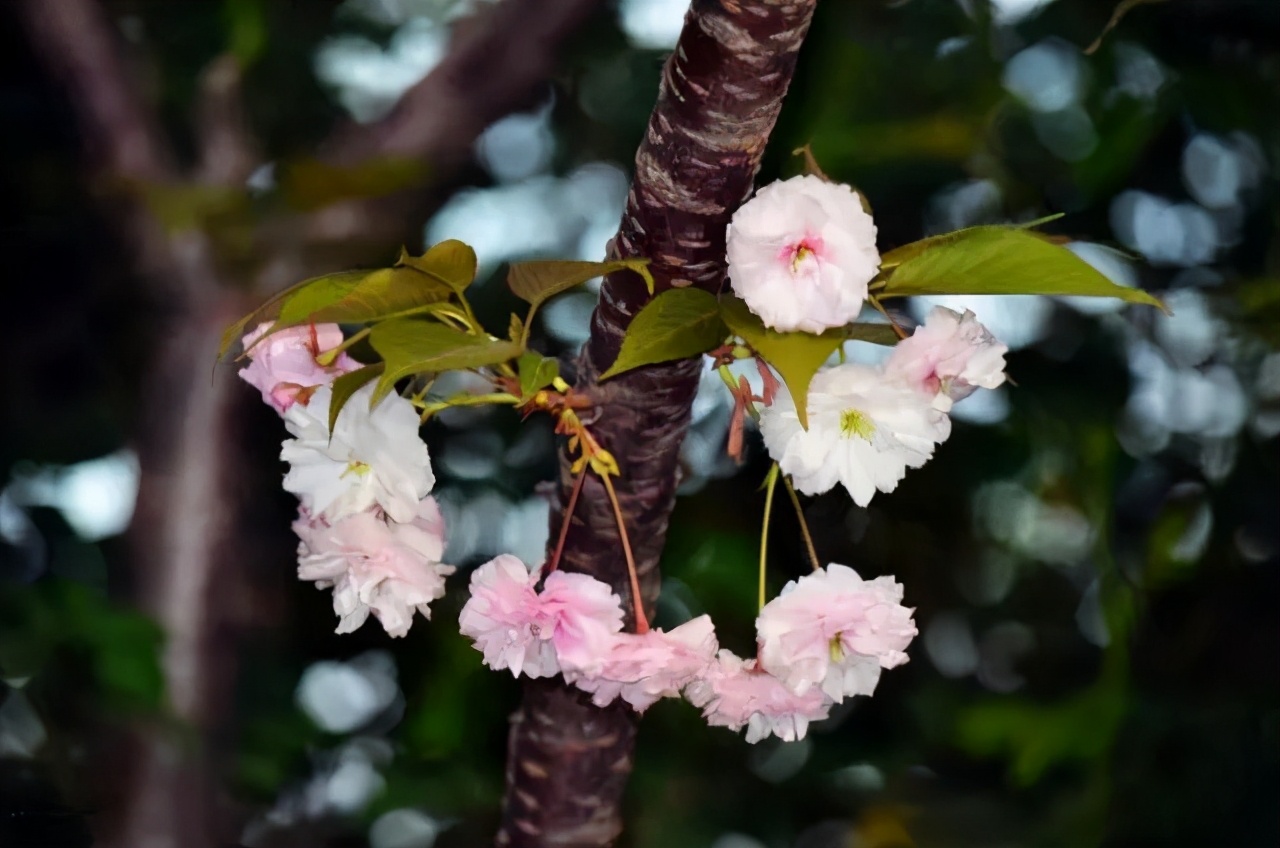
point(804, 525)
point(770, 483)
point(642, 622)
point(565, 521)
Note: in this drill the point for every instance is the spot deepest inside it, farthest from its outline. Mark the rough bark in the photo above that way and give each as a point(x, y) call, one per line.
point(722, 89)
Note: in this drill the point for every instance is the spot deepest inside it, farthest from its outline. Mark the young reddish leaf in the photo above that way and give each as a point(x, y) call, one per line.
point(795, 356)
point(347, 385)
point(676, 324)
point(410, 346)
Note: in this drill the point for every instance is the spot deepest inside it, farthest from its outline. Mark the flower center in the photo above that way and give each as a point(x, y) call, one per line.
point(357, 468)
point(836, 649)
point(809, 246)
point(854, 423)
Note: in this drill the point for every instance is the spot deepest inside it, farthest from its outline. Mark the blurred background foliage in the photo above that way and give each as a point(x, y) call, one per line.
point(1094, 556)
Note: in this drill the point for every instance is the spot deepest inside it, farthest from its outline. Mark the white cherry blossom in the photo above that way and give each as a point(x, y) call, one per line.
point(801, 253)
point(372, 457)
point(865, 431)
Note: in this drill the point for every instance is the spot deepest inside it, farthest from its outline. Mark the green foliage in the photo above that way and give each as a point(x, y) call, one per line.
point(246, 29)
point(795, 356)
point(996, 260)
point(450, 262)
point(347, 385)
point(676, 324)
point(309, 184)
point(535, 372)
point(411, 346)
point(58, 619)
point(538, 281)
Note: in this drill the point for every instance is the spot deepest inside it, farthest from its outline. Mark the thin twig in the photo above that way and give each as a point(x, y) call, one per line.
point(804, 525)
point(771, 483)
point(554, 561)
point(642, 622)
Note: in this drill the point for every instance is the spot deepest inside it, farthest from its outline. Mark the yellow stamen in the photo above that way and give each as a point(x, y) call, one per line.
point(357, 468)
point(837, 650)
point(854, 423)
point(802, 253)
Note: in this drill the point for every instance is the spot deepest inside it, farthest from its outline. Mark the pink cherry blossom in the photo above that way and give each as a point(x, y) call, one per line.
point(834, 631)
point(505, 618)
point(643, 667)
point(948, 356)
point(583, 615)
point(734, 693)
point(375, 565)
point(284, 363)
point(801, 253)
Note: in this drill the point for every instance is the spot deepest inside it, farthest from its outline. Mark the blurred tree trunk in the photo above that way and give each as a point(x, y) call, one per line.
point(190, 568)
point(568, 761)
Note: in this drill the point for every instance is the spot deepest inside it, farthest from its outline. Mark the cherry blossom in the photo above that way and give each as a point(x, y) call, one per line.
point(736, 693)
point(865, 430)
point(643, 667)
point(834, 631)
point(801, 253)
point(948, 356)
point(583, 614)
point(372, 457)
point(505, 618)
point(373, 565)
point(570, 623)
point(284, 363)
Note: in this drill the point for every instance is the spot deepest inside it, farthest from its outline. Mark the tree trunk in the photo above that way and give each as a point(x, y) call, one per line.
point(568, 761)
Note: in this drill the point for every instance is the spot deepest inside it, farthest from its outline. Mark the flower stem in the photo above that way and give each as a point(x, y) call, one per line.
point(642, 623)
point(565, 521)
point(804, 525)
point(770, 483)
point(875, 302)
point(326, 358)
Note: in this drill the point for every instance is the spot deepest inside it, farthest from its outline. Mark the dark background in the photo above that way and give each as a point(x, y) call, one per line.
point(1094, 556)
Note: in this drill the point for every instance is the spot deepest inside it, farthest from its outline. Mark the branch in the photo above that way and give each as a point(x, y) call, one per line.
point(76, 40)
point(720, 96)
point(494, 61)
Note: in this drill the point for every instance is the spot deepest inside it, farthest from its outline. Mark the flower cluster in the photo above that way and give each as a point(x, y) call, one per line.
point(367, 526)
point(825, 638)
point(800, 254)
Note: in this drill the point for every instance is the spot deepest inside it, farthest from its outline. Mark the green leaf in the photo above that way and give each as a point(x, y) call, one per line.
point(537, 281)
point(536, 372)
point(795, 356)
point(901, 254)
point(676, 324)
point(450, 262)
point(998, 260)
point(410, 346)
point(357, 297)
point(347, 385)
point(235, 332)
point(881, 334)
